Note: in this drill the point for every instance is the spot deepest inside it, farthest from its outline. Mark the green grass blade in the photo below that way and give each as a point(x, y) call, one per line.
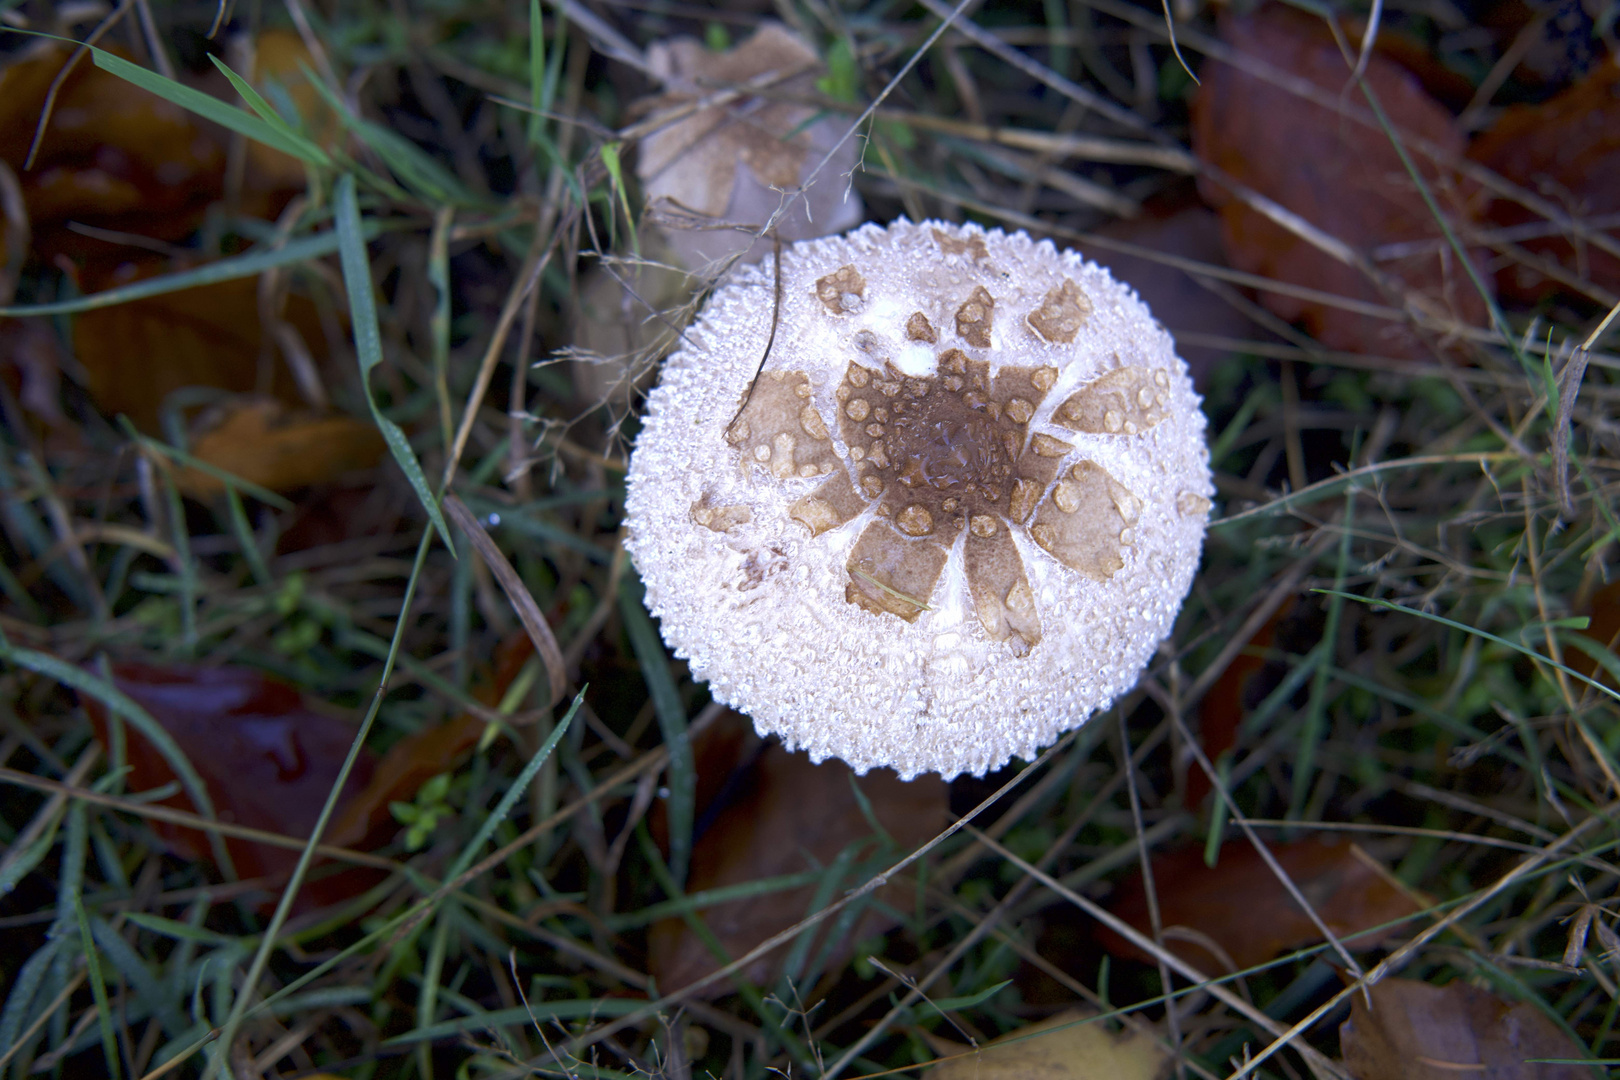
point(671, 713)
point(514, 792)
point(1488, 636)
point(368, 343)
point(98, 988)
point(312, 153)
point(237, 266)
point(211, 108)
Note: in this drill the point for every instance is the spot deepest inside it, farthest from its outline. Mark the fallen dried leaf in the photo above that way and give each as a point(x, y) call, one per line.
point(1568, 151)
point(787, 815)
point(1070, 1046)
point(113, 156)
point(1342, 177)
point(258, 440)
point(1415, 1031)
point(1243, 910)
point(136, 354)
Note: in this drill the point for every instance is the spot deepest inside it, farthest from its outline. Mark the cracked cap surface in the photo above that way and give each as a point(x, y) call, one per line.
point(952, 518)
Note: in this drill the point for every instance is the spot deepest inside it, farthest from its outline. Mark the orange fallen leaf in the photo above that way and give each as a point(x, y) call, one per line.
point(1242, 908)
point(788, 816)
point(136, 354)
point(1415, 1031)
point(1568, 151)
point(260, 441)
point(1341, 176)
point(113, 156)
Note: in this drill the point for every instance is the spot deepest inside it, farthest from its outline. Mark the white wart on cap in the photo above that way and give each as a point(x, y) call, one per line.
point(954, 515)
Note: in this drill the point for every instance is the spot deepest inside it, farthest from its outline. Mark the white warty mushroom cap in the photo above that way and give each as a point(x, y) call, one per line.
point(952, 518)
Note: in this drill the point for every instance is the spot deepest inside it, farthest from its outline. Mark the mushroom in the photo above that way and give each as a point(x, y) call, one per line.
point(951, 517)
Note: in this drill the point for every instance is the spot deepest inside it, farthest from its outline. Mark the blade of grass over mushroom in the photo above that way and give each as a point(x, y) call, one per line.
point(649, 652)
point(368, 343)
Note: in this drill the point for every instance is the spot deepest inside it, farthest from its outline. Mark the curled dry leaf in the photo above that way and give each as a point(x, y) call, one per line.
point(1415, 1031)
point(1339, 175)
point(1241, 907)
point(259, 440)
point(732, 164)
point(1567, 150)
point(267, 759)
point(136, 354)
point(783, 816)
point(1070, 1046)
point(113, 156)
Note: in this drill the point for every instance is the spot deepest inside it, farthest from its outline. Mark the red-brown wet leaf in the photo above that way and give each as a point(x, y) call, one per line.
point(259, 440)
point(136, 354)
point(1242, 907)
point(1341, 176)
point(113, 156)
point(266, 758)
point(786, 816)
point(1568, 151)
point(268, 761)
point(1415, 1031)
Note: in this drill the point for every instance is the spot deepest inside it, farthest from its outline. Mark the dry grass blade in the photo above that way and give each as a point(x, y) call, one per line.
point(518, 595)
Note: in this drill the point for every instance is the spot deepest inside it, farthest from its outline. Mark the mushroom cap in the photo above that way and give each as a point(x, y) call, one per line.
point(953, 516)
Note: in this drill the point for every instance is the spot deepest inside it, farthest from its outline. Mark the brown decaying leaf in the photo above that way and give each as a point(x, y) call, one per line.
point(787, 816)
point(1567, 150)
point(1341, 176)
point(136, 354)
point(1242, 907)
point(1415, 1031)
point(259, 440)
point(114, 156)
point(1071, 1049)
